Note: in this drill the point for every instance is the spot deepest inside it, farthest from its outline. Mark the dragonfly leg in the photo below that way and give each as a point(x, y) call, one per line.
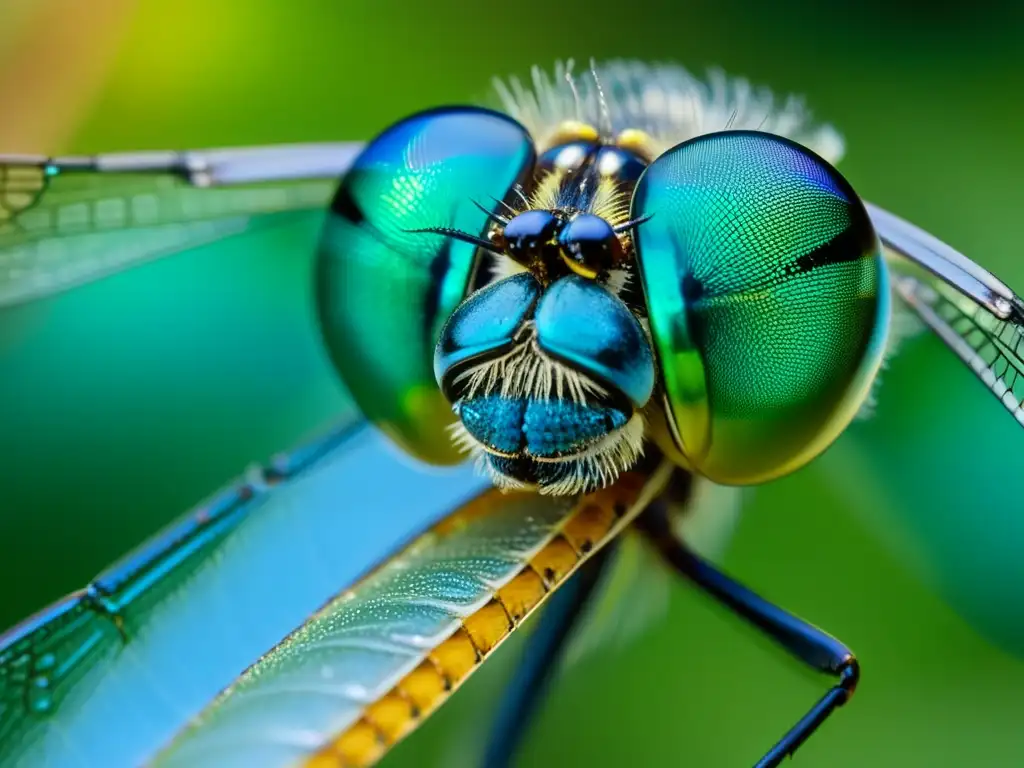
point(541, 654)
point(812, 646)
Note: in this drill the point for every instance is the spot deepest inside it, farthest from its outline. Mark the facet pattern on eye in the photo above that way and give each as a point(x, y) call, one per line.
point(767, 295)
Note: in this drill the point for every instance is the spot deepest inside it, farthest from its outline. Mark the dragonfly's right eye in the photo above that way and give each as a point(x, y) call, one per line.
point(768, 301)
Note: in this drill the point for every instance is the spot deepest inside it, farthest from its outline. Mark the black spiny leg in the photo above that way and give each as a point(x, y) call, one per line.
point(543, 649)
point(809, 644)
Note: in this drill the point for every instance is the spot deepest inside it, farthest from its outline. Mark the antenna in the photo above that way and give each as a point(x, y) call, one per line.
point(605, 127)
point(457, 234)
point(572, 87)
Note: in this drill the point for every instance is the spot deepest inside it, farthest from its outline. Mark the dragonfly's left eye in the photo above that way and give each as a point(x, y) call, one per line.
point(768, 301)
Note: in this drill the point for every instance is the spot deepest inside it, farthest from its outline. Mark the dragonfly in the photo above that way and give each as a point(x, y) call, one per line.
point(620, 292)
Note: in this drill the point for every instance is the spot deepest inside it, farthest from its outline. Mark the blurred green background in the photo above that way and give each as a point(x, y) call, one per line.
point(125, 402)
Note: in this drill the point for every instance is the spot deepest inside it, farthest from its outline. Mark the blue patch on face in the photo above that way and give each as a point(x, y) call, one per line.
point(495, 421)
point(578, 322)
point(588, 327)
point(486, 322)
point(542, 428)
point(558, 427)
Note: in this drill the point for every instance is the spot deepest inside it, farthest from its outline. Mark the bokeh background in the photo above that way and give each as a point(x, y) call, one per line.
point(126, 402)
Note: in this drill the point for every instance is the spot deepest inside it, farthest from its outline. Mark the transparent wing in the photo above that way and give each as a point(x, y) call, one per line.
point(65, 221)
point(973, 312)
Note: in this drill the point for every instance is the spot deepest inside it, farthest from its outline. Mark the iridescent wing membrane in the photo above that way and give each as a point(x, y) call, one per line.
point(975, 314)
point(65, 221)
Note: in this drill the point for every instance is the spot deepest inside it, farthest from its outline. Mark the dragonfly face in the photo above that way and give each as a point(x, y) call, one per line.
point(725, 296)
point(549, 369)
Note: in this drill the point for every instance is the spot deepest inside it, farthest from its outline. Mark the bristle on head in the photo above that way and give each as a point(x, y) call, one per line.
point(611, 202)
point(527, 372)
point(663, 100)
point(545, 194)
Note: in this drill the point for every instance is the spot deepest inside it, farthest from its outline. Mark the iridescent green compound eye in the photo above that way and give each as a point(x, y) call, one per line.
point(383, 290)
point(768, 301)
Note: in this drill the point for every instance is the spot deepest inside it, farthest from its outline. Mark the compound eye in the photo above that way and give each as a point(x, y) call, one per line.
point(768, 301)
point(589, 245)
point(527, 234)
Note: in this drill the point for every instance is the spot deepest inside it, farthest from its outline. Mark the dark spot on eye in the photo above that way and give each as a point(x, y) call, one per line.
point(619, 509)
point(345, 206)
point(852, 244)
point(586, 546)
point(549, 575)
point(692, 288)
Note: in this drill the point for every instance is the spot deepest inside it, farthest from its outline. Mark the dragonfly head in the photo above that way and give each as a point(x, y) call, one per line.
point(548, 382)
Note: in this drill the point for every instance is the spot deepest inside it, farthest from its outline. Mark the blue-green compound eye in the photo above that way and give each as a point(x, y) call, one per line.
point(383, 292)
point(768, 302)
